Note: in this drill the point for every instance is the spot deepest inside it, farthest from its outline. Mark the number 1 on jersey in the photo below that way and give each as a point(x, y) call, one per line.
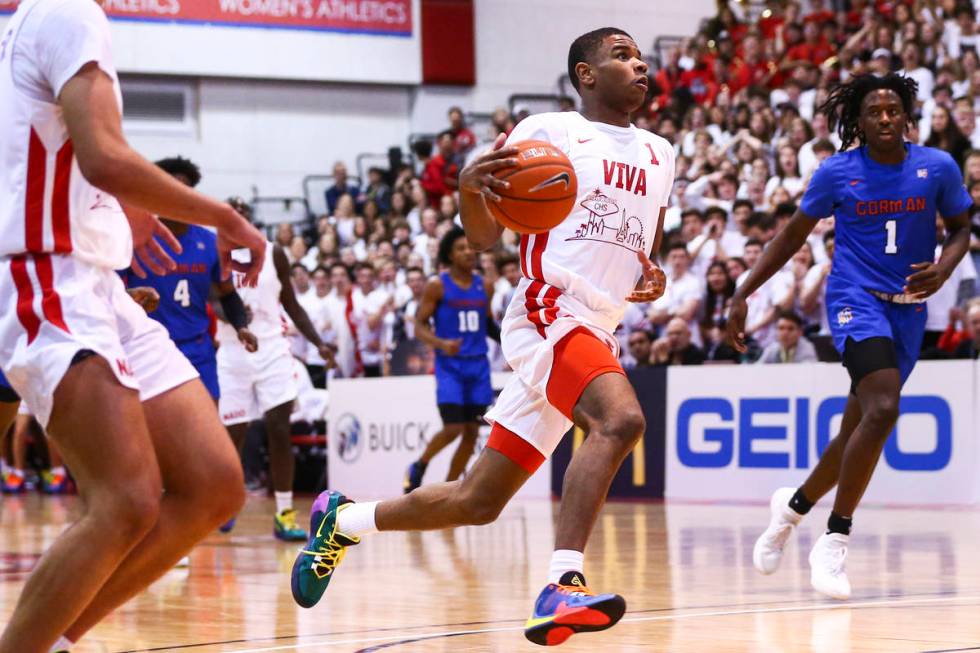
point(182, 293)
point(891, 245)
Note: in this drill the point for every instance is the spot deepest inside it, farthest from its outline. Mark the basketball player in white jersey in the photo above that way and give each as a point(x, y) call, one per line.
point(263, 384)
point(124, 407)
point(557, 335)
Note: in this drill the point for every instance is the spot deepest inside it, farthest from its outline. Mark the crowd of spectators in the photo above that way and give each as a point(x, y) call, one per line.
point(740, 102)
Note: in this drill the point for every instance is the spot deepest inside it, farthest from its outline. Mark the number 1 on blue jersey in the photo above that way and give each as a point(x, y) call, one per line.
point(891, 245)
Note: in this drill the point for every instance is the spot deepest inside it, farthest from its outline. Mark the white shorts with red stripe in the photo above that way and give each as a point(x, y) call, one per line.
point(252, 384)
point(60, 306)
point(538, 320)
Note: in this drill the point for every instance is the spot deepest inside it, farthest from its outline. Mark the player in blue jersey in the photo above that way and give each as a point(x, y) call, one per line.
point(459, 302)
point(884, 195)
point(185, 291)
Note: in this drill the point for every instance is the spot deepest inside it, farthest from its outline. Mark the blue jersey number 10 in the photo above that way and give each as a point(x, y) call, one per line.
point(469, 321)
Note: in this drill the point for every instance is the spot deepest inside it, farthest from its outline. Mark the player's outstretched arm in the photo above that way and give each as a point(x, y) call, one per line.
point(296, 313)
point(91, 113)
point(431, 297)
point(476, 188)
point(783, 246)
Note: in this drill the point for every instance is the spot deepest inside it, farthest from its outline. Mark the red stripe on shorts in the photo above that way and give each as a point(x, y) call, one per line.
point(515, 448)
point(533, 306)
point(50, 301)
point(25, 297)
point(59, 200)
point(37, 161)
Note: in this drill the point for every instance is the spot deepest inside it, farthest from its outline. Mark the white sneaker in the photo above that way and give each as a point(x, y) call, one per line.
point(768, 550)
point(827, 573)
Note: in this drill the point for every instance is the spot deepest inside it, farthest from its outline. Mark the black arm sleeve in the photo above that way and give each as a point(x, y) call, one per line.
point(234, 310)
point(493, 330)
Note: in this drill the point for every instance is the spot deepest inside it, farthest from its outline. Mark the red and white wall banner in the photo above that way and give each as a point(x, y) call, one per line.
point(378, 17)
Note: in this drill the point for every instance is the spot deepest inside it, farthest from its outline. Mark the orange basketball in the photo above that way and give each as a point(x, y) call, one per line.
point(542, 192)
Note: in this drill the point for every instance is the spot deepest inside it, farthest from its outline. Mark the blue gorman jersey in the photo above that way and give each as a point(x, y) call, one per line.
point(184, 292)
point(462, 314)
point(884, 215)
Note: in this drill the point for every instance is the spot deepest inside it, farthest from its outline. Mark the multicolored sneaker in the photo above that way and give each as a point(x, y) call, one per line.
point(13, 483)
point(570, 607)
point(52, 483)
point(228, 525)
point(286, 528)
point(413, 477)
point(315, 565)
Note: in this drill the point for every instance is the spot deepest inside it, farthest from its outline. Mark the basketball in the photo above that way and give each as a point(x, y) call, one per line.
point(542, 192)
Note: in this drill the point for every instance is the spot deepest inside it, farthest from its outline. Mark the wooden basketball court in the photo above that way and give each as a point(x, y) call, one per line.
point(684, 569)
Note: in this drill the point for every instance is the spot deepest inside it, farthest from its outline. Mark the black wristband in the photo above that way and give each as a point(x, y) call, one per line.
point(493, 330)
point(234, 310)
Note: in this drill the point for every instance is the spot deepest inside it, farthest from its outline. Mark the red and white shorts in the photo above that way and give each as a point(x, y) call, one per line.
point(555, 356)
point(56, 306)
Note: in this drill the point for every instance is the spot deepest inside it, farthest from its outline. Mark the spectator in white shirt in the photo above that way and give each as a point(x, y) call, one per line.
point(339, 309)
point(790, 346)
point(911, 67)
point(959, 287)
point(314, 302)
point(812, 296)
point(787, 174)
point(683, 295)
point(966, 119)
point(370, 306)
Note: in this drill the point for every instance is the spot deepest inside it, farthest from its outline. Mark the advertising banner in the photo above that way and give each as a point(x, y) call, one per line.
point(738, 433)
point(383, 17)
point(347, 41)
point(641, 475)
point(377, 427)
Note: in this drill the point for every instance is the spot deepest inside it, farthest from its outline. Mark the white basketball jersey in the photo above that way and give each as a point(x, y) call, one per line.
point(46, 205)
point(625, 177)
point(263, 299)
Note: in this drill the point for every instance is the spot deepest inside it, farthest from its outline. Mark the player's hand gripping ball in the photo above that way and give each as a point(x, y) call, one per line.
point(542, 192)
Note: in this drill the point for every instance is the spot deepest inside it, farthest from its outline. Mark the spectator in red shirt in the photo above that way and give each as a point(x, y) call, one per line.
point(818, 13)
point(771, 20)
point(813, 49)
point(463, 139)
point(750, 70)
point(439, 176)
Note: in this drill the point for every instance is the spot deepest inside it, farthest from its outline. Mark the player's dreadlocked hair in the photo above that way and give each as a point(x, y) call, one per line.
point(843, 106)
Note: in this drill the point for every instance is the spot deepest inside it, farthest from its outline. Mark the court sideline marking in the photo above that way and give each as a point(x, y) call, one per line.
point(717, 613)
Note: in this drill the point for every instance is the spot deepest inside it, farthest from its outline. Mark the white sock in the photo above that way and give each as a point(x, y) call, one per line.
point(563, 561)
point(58, 471)
point(357, 519)
point(284, 501)
point(63, 644)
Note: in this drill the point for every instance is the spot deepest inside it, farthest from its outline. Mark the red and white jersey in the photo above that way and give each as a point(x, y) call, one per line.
point(46, 205)
point(625, 177)
point(262, 300)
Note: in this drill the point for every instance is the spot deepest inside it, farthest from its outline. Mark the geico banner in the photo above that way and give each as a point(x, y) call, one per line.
point(737, 433)
point(322, 40)
point(377, 427)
